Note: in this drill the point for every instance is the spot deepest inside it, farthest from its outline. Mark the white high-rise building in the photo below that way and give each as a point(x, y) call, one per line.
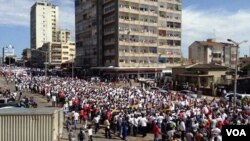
point(44, 19)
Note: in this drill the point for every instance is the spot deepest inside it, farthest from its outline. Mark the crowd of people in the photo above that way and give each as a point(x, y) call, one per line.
point(134, 111)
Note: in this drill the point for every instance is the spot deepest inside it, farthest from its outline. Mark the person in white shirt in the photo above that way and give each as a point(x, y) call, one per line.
point(14, 95)
point(76, 118)
point(216, 134)
point(182, 127)
point(96, 123)
point(107, 129)
point(143, 123)
point(135, 125)
point(90, 133)
point(54, 100)
point(131, 124)
point(170, 134)
point(48, 96)
point(160, 118)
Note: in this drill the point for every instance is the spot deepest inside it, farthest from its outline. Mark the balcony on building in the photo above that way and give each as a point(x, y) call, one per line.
point(109, 19)
point(137, 30)
point(109, 42)
point(108, 31)
point(149, 2)
point(148, 10)
point(106, 1)
point(109, 52)
point(109, 8)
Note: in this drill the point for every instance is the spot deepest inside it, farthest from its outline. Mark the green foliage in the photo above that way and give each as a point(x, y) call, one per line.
point(246, 68)
point(245, 100)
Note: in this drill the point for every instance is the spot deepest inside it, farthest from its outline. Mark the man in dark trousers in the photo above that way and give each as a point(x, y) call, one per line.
point(81, 135)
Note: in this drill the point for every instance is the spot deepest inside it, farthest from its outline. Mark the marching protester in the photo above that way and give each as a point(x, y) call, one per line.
point(133, 111)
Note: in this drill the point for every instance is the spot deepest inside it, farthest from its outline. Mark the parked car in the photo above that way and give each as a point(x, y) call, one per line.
point(157, 89)
point(188, 93)
point(95, 79)
point(229, 96)
point(6, 102)
point(165, 87)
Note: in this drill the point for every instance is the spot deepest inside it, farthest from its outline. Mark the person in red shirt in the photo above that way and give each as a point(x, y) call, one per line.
point(207, 125)
point(220, 124)
point(81, 115)
point(226, 122)
point(108, 115)
point(157, 132)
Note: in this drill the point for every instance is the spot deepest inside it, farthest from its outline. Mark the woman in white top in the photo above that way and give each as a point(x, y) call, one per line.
point(90, 133)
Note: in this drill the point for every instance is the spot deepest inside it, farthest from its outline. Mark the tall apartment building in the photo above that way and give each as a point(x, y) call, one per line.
point(86, 19)
point(136, 36)
point(210, 51)
point(44, 18)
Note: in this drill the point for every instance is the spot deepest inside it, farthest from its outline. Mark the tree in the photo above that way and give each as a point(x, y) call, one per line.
point(9, 60)
point(244, 70)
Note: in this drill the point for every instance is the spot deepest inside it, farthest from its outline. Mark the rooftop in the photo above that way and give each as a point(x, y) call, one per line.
point(212, 43)
point(203, 66)
point(208, 66)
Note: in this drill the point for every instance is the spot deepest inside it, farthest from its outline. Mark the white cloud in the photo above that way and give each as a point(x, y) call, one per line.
point(17, 13)
point(67, 16)
point(199, 25)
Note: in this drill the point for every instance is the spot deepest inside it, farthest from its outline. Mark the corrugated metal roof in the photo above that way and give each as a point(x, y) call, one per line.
point(208, 66)
point(26, 111)
point(203, 66)
point(211, 43)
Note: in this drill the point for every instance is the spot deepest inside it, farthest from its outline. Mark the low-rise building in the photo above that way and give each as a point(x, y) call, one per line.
point(210, 51)
point(55, 53)
point(26, 56)
point(202, 75)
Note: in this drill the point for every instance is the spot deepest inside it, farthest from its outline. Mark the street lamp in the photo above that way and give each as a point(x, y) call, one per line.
point(72, 65)
point(237, 44)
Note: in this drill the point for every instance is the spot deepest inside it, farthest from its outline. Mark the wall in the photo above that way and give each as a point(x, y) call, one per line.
point(26, 128)
point(196, 53)
point(176, 71)
point(217, 75)
point(32, 126)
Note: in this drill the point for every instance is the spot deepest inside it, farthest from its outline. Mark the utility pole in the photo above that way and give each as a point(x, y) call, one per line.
point(46, 63)
point(237, 45)
point(72, 65)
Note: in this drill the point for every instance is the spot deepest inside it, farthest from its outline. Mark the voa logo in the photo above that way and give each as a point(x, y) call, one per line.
point(236, 132)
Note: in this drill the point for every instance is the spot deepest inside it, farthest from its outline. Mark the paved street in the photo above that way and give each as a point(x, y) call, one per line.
point(42, 102)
